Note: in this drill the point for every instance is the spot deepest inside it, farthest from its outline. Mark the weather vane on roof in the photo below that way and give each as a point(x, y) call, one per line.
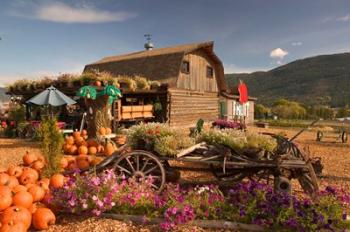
point(148, 44)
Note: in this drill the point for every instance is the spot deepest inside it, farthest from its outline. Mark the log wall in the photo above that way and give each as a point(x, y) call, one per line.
point(186, 107)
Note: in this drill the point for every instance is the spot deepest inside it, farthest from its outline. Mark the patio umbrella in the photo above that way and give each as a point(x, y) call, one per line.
point(52, 97)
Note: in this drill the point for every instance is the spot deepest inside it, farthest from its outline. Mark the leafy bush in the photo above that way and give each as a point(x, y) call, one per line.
point(157, 137)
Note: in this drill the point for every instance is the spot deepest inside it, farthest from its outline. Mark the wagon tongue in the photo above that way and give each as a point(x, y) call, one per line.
point(302, 130)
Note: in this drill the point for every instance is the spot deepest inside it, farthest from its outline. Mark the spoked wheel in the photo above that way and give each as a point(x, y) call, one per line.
point(344, 136)
point(142, 166)
point(308, 180)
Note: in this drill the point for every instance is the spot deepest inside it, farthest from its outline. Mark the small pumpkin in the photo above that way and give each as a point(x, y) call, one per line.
point(96, 160)
point(4, 178)
point(13, 182)
point(29, 158)
point(22, 198)
point(57, 181)
point(37, 193)
point(79, 141)
point(19, 188)
point(36, 206)
point(16, 214)
point(92, 150)
point(44, 183)
point(84, 132)
point(108, 131)
point(38, 165)
point(63, 163)
point(43, 218)
point(13, 227)
point(76, 134)
point(83, 150)
point(98, 83)
point(15, 171)
point(102, 131)
point(73, 150)
point(83, 162)
point(109, 149)
point(100, 149)
point(29, 176)
point(66, 148)
point(5, 198)
point(70, 140)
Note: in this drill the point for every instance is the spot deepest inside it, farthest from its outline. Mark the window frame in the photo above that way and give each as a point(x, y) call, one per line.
point(209, 72)
point(188, 67)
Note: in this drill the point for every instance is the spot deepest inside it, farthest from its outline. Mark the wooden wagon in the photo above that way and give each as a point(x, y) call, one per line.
point(286, 163)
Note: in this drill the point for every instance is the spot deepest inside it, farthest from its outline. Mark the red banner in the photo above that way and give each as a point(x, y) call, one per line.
point(243, 93)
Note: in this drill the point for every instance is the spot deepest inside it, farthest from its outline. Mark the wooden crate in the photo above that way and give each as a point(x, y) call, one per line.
point(138, 111)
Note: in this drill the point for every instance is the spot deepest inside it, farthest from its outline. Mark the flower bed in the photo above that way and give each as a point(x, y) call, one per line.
point(247, 202)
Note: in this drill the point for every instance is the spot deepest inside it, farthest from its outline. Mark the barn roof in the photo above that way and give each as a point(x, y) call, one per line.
point(161, 64)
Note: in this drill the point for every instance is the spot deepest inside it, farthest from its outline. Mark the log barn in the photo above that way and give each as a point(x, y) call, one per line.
point(192, 73)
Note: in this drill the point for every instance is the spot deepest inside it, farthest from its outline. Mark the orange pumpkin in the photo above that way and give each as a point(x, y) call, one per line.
point(41, 158)
point(57, 181)
point(37, 193)
point(79, 141)
point(16, 214)
point(15, 171)
point(98, 83)
point(109, 149)
point(70, 140)
point(38, 165)
point(5, 197)
point(22, 198)
point(13, 182)
point(44, 183)
point(102, 131)
point(43, 218)
point(29, 158)
point(47, 198)
point(66, 148)
point(83, 150)
point(92, 143)
point(108, 131)
point(96, 160)
point(4, 178)
point(76, 134)
point(29, 176)
point(36, 206)
point(19, 188)
point(83, 162)
point(92, 150)
point(13, 227)
point(63, 163)
point(100, 149)
point(73, 150)
point(84, 132)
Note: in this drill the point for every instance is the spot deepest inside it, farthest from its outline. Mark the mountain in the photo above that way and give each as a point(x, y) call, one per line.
point(319, 79)
point(3, 96)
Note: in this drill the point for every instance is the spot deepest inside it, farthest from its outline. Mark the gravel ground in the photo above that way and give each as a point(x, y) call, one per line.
point(335, 157)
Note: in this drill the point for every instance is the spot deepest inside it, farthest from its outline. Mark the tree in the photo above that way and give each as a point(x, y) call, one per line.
point(260, 111)
point(288, 109)
point(343, 112)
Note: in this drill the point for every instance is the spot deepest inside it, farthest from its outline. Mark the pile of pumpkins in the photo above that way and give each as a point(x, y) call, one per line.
point(82, 152)
point(24, 196)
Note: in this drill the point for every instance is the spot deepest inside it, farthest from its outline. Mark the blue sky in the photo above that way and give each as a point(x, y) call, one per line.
point(43, 37)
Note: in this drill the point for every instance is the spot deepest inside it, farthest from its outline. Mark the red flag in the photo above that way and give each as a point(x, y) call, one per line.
point(243, 93)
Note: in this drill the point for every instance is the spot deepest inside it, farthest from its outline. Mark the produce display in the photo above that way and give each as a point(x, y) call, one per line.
point(24, 195)
point(83, 152)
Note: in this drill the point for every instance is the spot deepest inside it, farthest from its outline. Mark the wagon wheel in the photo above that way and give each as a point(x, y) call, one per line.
point(141, 165)
point(344, 137)
point(307, 178)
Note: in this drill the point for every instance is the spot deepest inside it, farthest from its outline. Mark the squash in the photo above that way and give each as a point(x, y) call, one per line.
point(83, 150)
point(92, 150)
point(70, 140)
point(79, 141)
point(5, 197)
point(108, 131)
point(22, 198)
point(15, 171)
point(96, 160)
point(13, 227)
point(29, 158)
point(57, 181)
point(36, 206)
point(29, 176)
point(37, 193)
point(66, 148)
point(44, 183)
point(63, 163)
point(84, 133)
point(4, 178)
point(38, 165)
point(109, 149)
point(76, 134)
point(102, 131)
point(73, 150)
point(43, 218)
point(16, 214)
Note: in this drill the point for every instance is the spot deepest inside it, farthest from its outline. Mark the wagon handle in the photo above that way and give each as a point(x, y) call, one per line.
point(304, 129)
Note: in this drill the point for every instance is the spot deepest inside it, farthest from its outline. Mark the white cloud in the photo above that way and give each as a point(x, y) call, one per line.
point(297, 43)
point(344, 18)
point(63, 13)
point(278, 53)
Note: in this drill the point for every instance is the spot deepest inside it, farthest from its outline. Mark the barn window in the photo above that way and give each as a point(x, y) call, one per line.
point(210, 72)
point(185, 67)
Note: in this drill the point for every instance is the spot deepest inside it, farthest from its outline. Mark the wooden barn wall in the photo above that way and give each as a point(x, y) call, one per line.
point(186, 107)
point(197, 77)
point(250, 119)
